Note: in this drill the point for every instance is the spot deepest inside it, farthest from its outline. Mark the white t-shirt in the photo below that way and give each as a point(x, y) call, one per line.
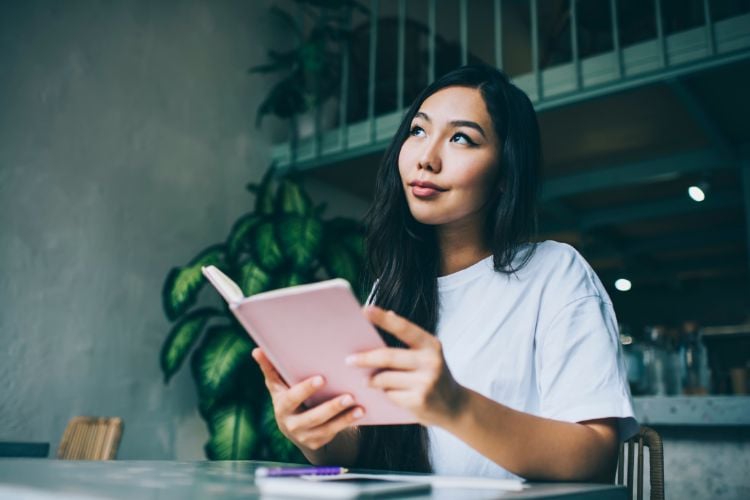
point(543, 341)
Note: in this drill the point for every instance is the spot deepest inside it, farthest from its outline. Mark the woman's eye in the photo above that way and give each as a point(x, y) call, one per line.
point(462, 138)
point(416, 131)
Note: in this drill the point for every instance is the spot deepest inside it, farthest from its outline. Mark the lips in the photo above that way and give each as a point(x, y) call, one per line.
point(425, 189)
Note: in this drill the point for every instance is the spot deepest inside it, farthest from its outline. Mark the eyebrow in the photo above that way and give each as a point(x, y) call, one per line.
point(455, 123)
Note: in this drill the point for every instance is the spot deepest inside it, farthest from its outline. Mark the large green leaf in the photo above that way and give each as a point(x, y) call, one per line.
point(181, 339)
point(267, 250)
point(300, 238)
point(291, 199)
point(207, 405)
point(239, 236)
point(340, 262)
point(183, 283)
point(279, 447)
point(232, 434)
point(216, 361)
point(291, 278)
point(264, 195)
point(286, 99)
point(356, 243)
point(247, 385)
point(253, 279)
point(349, 232)
point(343, 225)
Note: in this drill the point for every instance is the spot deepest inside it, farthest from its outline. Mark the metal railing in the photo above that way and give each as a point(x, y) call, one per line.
point(665, 56)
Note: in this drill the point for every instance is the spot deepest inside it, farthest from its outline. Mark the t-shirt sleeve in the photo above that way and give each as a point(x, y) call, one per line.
point(580, 369)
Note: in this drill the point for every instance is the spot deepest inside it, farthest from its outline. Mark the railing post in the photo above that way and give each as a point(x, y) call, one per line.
point(574, 43)
point(344, 98)
point(498, 34)
point(294, 120)
point(293, 139)
point(710, 38)
point(745, 173)
point(317, 120)
point(400, 57)
point(535, 50)
point(616, 38)
point(374, 14)
point(464, 32)
point(317, 123)
point(660, 34)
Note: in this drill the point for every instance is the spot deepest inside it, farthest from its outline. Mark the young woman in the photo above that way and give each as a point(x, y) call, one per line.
point(506, 351)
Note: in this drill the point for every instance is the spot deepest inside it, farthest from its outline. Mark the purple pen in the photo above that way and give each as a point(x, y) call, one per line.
point(298, 471)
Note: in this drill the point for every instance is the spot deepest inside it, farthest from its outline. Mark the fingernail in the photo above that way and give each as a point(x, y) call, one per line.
point(317, 381)
point(346, 400)
point(351, 359)
point(358, 413)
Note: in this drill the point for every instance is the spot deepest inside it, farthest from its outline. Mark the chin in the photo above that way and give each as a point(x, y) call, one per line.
point(429, 219)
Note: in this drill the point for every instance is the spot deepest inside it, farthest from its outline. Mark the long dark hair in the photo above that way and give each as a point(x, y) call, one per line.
point(402, 254)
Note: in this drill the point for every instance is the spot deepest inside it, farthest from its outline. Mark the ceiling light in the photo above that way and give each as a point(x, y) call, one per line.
point(623, 285)
point(696, 193)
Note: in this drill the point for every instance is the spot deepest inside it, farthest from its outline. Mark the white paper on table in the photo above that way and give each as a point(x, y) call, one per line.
point(483, 483)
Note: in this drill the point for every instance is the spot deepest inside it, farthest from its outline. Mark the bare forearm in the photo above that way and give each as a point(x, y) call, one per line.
point(342, 450)
point(535, 447)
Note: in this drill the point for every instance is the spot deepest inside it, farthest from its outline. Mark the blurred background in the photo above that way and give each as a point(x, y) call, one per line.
point(128, 131)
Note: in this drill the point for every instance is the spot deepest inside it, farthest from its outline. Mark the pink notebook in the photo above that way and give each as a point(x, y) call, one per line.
point(309, 330)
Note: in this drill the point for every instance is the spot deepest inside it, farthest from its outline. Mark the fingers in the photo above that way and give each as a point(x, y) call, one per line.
point(273, 380)
point(395, 380)
point(320, 436)
point(403, 398)
point(399, 327)
point(393, 358)
point(286, 399)
point(289, 401)
point(320, 414)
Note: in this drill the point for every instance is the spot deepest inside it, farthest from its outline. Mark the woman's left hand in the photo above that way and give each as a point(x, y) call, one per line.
point(415, 378)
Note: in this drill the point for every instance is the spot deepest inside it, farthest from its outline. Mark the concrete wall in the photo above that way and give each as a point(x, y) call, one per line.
point(126, 137)
point(706, 462)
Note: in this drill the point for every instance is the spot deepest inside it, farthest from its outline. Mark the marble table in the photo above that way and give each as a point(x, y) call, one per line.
point(45, 479)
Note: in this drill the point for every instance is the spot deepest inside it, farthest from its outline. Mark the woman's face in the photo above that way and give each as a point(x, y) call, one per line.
point(449, 163)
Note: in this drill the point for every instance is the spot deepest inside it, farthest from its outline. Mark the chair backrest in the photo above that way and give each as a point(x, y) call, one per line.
point(649, 438)
point(91, 438)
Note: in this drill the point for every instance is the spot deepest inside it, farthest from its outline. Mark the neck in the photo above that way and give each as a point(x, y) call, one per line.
point(461, 246)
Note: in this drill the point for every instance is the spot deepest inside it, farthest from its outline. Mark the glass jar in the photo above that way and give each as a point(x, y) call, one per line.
point(633, 349)
point(696, 375)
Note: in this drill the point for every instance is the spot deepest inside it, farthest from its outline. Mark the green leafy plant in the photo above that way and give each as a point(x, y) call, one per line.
point(284, 241)
point(311, 69)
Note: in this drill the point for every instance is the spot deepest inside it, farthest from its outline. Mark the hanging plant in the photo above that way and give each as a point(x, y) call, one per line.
point(310, 71)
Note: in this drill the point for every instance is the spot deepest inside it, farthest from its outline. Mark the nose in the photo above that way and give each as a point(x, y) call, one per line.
point(429, 157)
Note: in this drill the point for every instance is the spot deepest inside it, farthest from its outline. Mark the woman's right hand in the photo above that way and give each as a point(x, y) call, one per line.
point(309, 429)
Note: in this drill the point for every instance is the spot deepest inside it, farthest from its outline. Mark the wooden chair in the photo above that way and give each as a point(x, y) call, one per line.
point(91, 438)
point(651, 439)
